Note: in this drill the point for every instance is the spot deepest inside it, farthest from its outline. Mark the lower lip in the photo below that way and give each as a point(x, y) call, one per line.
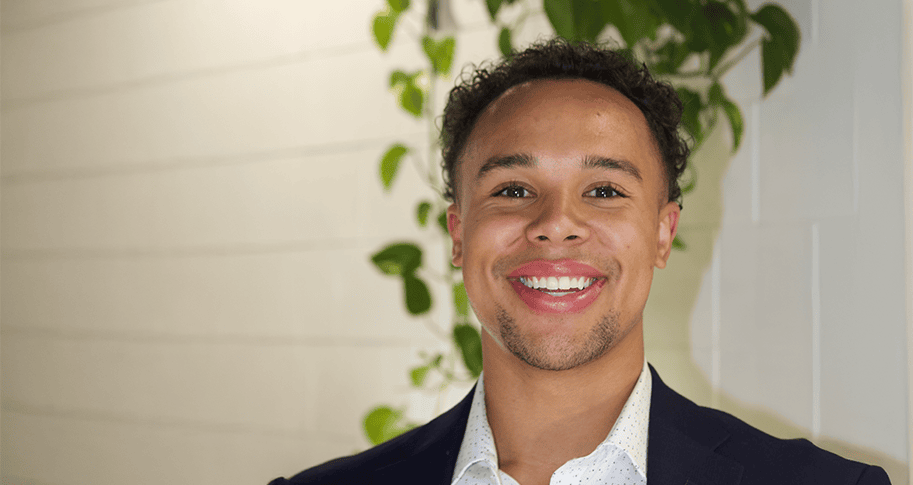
point(542, 302)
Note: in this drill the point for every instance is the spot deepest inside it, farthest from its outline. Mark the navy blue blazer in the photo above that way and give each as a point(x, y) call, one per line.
point(687, 445)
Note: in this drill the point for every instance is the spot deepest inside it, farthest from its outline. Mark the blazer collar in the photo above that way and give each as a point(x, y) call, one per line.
point(681, 448)
point(682, 441)
point(433, 449)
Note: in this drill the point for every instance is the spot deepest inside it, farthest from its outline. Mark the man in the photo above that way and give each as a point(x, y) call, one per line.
point(563, 168)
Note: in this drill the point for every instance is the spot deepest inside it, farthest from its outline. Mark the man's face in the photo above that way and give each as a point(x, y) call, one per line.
point(561, 216)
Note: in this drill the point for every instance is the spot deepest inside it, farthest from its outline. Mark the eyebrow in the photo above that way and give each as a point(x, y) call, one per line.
point(505, 162)
point(607, 163)
point(526, 161)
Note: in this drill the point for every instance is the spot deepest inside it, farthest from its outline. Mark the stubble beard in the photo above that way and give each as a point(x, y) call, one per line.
point(560, 354)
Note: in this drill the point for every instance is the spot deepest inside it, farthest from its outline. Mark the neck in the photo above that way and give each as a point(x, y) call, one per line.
point(542, 419)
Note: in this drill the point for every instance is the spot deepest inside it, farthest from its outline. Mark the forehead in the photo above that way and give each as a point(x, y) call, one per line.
point(562, 120)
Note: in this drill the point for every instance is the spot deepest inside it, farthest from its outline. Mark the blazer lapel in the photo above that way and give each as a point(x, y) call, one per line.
point(681, 445)
point(682, 441)
point(434, 450)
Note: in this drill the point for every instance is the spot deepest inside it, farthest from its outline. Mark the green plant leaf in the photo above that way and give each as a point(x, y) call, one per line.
point(421, 212)
point(412, 99)
point(779, 49)
point(440, 53)
point(560, 14)
point(398, 259)
point(398, 6)
point(442, 222)
point(460, 299)
point(493, 7)
point(577, 20)
point(735, 122)
point(690, 181)
point(670, 57)
point(717, 98)
point(470, 344)
point(724, 30)
point(715, 94)
point(505, 44)
point(418, 375)
point(676, 12)
point(691, 120)
point(418, 298)
point(384, 423)
point(679, 244)
point(699, 38)
point(389, 164)
point(383, 26)
point(399, 77)
point(632, 18)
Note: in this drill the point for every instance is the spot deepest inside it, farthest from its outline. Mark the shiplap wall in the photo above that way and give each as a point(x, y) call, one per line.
point(189, 199)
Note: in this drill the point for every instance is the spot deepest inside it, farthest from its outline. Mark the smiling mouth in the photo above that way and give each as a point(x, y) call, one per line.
point(557, 285)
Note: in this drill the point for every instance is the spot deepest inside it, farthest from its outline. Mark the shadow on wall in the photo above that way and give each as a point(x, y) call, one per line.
point(675, 346)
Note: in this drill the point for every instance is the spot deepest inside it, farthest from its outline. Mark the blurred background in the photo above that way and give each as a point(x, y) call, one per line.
point(190, 199)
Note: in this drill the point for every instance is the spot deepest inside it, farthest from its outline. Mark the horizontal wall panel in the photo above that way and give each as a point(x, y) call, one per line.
point(332, 100)
point(328, 294)
point(246, 204)
point(25, 14)
point(273, 201)
point(202, 35)
point(271, 389)
point(53, 450)
point(347, 389)
point(267, 388)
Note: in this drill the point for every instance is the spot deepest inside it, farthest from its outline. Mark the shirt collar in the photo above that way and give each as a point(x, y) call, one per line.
point(629, 432)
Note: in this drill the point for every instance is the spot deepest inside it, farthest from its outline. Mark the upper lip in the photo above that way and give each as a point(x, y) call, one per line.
point(560, 267)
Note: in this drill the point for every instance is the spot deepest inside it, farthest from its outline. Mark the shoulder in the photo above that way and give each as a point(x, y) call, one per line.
point(727, 443)
point(357, 468)
point(767, 458)
point(427, 453)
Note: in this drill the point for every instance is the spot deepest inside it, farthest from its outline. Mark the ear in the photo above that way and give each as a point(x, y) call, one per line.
point(455, 227)
point(667, 227)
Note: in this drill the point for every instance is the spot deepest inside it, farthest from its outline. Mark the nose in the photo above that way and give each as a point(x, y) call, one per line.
point(557, 220)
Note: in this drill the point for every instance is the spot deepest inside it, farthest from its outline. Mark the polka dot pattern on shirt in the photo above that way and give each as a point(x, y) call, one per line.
point(621, 459)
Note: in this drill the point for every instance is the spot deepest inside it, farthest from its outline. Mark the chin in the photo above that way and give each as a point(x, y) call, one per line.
point(555, 350)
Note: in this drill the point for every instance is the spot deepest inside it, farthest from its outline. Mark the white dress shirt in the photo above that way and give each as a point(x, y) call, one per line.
point(621, 459)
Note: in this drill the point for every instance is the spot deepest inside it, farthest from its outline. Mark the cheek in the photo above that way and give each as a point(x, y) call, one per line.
point(491, 237)
point(631, 241)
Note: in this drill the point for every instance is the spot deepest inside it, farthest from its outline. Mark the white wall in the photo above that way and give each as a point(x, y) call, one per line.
point(800, 324)
point(189, 198)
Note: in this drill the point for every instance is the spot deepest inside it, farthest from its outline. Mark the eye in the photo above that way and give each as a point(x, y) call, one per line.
point(513, 192)
point(604, 192)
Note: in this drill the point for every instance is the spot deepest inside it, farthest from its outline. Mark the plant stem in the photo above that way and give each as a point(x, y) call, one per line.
point(722, 69)
point(432, 139)
point(419, 166)
point(435, 329)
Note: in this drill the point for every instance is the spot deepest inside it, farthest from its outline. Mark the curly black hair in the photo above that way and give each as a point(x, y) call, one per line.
point(561, 59)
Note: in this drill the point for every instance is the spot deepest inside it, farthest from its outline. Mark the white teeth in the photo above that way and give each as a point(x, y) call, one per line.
point(555, 283)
